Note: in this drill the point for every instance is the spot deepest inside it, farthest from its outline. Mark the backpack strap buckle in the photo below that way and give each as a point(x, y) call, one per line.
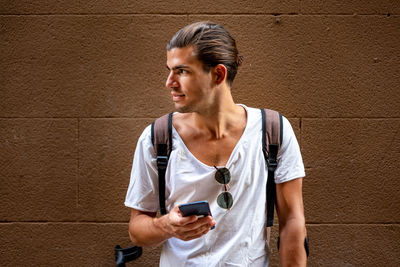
point(272, 161)
point(162, 156)
point(162, 162)
point(272, 165)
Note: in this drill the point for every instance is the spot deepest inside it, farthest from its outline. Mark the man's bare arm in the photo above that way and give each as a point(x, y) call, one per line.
point(292, 229)
point(145, 229)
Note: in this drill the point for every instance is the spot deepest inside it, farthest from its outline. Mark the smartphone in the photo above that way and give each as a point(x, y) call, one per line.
point(199, 208)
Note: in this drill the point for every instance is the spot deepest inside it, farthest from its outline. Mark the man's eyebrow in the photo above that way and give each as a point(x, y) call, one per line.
point(179, 67)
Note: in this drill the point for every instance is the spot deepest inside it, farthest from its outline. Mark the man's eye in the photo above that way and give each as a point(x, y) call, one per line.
point(182, 71)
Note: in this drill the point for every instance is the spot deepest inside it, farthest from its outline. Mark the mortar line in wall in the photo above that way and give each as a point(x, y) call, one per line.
point(98, 14)
point(292, 14)
point(201, 14)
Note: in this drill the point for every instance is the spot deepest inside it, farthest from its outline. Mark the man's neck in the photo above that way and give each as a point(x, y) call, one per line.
point(220, 117)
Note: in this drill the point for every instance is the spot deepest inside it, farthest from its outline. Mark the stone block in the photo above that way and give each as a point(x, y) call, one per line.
point(352, 170)
point(38, 169)
point(354, 245)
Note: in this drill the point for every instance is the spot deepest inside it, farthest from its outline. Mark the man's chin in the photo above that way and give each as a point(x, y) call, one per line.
point(183, 109)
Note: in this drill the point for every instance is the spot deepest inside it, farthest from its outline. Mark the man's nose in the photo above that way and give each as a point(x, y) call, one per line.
point(170, 80)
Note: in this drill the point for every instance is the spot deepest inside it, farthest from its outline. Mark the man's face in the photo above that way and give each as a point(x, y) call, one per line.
point(190, 85)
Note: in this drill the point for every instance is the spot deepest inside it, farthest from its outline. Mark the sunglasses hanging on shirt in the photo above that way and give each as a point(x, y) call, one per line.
point(223, 176)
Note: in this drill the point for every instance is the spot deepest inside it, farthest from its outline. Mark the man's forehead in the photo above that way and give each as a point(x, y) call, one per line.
point(179, 56)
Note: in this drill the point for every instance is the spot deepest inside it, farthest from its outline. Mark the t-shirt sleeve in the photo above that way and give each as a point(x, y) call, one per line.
point(290, 162)
point(142, 192)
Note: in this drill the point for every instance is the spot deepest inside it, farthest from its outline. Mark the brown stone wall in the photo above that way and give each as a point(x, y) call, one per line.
point(79, 80)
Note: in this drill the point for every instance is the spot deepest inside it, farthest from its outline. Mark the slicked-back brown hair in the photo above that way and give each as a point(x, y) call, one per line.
point(213, 45)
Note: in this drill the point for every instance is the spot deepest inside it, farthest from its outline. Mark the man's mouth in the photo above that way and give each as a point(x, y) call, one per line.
point(177, 96)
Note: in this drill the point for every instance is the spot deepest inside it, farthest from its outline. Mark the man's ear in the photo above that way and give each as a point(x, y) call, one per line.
point(220, 73)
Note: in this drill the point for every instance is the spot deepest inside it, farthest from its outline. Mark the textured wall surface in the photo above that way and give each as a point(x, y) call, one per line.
point(79, 80)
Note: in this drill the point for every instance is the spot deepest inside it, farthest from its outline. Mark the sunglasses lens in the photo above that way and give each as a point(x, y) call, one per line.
point(223, 176)
point(225, 200)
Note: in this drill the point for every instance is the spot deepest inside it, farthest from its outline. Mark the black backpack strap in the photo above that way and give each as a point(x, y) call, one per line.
point(161, 137)
point(271, 142)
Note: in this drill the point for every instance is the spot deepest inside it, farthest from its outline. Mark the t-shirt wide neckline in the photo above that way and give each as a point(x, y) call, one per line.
point(231, 156)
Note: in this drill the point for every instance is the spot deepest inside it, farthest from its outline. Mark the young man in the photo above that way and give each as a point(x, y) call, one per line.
point(210, 133)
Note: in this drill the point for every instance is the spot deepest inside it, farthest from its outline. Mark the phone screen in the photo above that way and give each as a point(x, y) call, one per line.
point(199, 208)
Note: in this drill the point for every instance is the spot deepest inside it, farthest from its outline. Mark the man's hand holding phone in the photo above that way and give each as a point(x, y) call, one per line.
point(189, 221)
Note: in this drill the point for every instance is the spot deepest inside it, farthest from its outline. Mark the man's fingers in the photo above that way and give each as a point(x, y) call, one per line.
point(196, 233)
point(196, 229)
point(198, 223)
point(188, 220)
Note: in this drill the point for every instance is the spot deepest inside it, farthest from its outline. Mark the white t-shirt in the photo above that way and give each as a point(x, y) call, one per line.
point(239, 237)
